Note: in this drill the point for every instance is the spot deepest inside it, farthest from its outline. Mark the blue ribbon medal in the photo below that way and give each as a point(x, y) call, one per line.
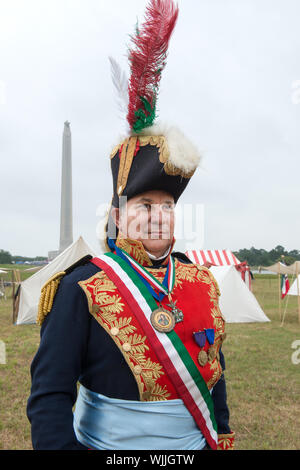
point(200, 338)
point(210, 335)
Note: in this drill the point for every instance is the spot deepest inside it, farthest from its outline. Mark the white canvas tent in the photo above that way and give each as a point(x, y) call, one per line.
point(294, 270)
point(295, 287)
point(237, 303)
point(280, 268)
point(2, 288)
point(295, 290)
point(30, 289)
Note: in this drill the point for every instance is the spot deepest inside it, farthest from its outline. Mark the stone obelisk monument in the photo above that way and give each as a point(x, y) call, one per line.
point(66, 211)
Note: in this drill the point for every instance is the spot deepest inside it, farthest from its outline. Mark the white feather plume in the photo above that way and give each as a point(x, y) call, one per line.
point(120, 82)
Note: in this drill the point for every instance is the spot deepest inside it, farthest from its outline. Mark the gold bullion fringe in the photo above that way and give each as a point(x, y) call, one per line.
point(48, 292)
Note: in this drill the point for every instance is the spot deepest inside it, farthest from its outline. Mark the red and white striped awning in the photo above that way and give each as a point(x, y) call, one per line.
point(215, 257)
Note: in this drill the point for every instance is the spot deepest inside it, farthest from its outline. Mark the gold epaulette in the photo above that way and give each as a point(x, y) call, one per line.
point(204, 268)
point(48, 292)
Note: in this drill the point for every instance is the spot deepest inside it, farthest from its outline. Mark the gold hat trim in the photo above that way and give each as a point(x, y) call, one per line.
point(158, 141)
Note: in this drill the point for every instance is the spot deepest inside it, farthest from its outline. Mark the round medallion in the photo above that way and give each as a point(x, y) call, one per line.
point(162, 320)
point(202, 358)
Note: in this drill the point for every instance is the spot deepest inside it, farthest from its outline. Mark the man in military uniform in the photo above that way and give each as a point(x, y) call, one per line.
point(139, 327)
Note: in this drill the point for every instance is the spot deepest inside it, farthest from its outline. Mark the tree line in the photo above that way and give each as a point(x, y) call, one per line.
point(261, 257)
point(7, 258)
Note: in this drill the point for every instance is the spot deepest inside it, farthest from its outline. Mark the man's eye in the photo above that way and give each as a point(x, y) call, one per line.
point(168, 207)
point(144, 206)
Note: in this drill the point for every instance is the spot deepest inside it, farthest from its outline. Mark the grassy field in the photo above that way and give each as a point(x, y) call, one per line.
point(263, 384)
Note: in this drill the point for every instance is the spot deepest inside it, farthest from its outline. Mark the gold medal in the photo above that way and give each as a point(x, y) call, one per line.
point(212, 353)
point(202, 358)
point(162, 320)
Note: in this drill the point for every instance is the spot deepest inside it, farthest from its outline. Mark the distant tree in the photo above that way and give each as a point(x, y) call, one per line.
point(261, 257)
point(23, 259)
point(288, 260)
point(5, 257)
point(295, 254)
point(277, 253)
point(280, 250)
point(264, 259)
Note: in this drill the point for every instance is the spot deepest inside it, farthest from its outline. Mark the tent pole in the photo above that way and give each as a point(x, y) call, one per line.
point(279, 295)
point(13, 294)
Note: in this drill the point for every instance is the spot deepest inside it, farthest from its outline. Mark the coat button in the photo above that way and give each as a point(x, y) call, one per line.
point(114, 331)
point(137, 369)
point(126, 347)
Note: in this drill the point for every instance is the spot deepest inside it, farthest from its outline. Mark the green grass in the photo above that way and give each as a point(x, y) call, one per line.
point(262, 382)
point(22, 268)
point(21, 343)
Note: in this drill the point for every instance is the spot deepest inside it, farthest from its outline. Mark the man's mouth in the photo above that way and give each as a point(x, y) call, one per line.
point(157, 234)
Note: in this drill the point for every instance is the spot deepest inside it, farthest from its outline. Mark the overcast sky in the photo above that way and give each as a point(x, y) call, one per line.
point(232, 84)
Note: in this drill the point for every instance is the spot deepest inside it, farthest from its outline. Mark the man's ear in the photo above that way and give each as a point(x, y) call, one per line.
point(115, 214)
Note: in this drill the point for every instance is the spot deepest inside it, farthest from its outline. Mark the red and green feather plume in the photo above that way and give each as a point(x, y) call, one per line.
point(147, 59)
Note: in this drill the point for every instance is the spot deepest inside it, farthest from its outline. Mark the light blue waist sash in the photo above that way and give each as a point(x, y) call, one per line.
point(112, 424)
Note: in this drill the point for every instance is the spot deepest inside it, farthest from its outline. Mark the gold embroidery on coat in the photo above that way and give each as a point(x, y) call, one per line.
point(120, 329)
point(184, 272)
point(216, 368)
point(111, 306)
point(193, 273)
point(135, 249)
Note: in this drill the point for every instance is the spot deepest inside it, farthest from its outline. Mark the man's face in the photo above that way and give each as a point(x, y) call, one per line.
point(149, 218)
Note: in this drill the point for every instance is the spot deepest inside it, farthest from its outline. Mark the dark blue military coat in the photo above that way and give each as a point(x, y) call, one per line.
point(75, 348)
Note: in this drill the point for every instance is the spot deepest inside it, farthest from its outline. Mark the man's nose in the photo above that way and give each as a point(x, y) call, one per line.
point(156, 214)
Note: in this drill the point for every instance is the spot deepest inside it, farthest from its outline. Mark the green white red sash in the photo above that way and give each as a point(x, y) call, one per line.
point(169, 348)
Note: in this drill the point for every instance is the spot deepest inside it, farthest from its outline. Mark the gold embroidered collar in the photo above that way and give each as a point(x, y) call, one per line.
point(135, 248)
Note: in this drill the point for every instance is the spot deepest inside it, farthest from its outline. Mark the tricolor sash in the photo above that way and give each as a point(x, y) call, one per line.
point(170, 350)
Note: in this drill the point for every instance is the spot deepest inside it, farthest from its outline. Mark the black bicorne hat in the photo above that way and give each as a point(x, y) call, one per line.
point(143, 163)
